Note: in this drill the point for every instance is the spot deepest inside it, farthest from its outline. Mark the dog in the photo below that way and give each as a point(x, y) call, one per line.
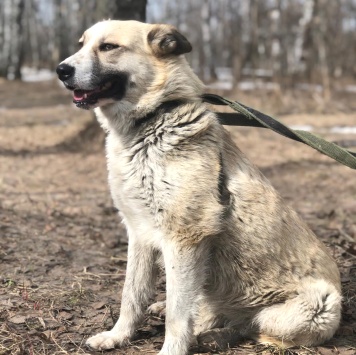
point(237, 259)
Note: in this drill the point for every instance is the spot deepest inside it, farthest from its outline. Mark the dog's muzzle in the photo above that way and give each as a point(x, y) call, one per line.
point(111, 86)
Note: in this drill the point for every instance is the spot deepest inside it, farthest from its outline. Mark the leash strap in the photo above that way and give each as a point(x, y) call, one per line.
point(247, 116)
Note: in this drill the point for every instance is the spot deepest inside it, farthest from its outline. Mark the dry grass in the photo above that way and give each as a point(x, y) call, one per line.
point(63, 252)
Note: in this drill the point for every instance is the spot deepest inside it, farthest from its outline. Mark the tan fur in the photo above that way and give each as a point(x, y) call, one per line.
point(235, 255)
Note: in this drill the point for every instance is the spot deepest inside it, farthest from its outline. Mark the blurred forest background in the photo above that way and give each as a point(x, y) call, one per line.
point(283, 42)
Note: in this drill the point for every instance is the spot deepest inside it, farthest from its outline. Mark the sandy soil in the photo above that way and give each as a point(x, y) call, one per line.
point(63, 250)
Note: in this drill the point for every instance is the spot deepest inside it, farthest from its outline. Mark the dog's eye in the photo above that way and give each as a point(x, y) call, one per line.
point(105, 47)
point(80, 45)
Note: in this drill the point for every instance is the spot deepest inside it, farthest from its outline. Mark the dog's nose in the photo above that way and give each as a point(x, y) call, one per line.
point(65, 71)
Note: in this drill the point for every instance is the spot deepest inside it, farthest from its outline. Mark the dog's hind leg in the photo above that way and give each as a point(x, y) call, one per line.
point(136, 294)
point(310, 318)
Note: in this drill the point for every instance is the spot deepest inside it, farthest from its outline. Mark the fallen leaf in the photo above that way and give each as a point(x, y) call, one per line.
point(98, 305)
point(64, 315)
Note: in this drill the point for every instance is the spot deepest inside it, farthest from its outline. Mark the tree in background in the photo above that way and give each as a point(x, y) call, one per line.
point(285, 41)
point(12, 38)
point(121, 10)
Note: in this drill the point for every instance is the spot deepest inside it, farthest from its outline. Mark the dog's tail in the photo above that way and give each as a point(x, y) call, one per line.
point(308, 319)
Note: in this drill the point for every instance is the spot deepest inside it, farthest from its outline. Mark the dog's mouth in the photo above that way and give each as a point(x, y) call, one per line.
point(109, 89)
point(87, 98)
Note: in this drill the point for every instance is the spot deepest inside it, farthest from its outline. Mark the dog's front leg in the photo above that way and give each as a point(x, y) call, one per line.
point(136, 294)
point(184, 280)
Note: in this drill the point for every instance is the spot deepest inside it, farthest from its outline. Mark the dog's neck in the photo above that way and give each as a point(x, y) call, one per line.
point(125, 116)
point(165, 107)
point(128, 123)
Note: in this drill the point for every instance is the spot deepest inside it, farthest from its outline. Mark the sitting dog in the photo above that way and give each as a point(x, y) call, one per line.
point(236, 258)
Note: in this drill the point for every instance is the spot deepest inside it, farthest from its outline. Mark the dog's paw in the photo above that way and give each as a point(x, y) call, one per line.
point(173, 351)
point(104, 341)
point(176, 348)
point(158, 308)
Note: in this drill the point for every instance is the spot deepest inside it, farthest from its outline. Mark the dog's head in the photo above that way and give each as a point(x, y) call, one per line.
point(125, 61)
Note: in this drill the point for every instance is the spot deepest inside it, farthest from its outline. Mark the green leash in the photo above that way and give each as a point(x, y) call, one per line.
point(247, 116)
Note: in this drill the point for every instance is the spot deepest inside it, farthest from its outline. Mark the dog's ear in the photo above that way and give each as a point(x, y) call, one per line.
point(165, 40)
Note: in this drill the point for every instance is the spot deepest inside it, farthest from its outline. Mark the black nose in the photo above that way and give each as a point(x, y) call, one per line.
point(65, 71)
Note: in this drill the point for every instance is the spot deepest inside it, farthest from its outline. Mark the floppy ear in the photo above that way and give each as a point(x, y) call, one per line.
point(165, 40)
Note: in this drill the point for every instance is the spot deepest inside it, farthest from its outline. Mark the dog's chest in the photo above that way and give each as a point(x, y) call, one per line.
point(136, 183)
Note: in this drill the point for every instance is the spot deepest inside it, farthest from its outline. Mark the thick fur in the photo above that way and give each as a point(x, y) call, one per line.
point(235, 255)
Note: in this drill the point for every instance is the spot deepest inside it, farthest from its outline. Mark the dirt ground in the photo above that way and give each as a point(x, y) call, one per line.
point(63, 250)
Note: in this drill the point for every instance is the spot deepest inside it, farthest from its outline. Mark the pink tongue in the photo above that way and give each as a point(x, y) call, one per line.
point(80, 95)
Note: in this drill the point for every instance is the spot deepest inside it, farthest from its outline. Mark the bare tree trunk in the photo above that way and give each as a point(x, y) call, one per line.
point(55, 43)
point(235, 40)
point(32, 33)
point(275, 51)
point(320, 36)
point(62, 34)
point(208, 66)
point(18, 47)
point(253, 44)
point(282, 35)
point(250, 35)
point(5, 36)
point(299, 48)
point(12, 54)
point(122, 9)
